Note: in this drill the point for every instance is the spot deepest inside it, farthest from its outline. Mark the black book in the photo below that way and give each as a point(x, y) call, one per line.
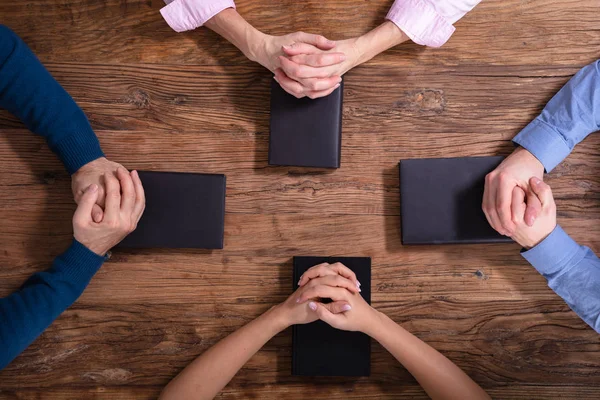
point(441, 200)
point(305, 132)
point(183, 210)
point(320, 350)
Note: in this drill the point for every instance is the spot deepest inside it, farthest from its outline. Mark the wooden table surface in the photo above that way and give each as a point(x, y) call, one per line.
point(191, 102)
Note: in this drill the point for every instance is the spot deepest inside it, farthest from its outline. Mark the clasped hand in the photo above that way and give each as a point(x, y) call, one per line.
point(110, 200)
point(305, 64)
point(516, 201)
point(347, 311)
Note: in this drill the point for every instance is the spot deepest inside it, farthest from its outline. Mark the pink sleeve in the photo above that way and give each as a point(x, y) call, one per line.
point(429, 22)
point(185, 15)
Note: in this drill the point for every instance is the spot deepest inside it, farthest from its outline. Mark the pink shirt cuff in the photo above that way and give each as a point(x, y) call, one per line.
point(420, 21)
point(185, 15)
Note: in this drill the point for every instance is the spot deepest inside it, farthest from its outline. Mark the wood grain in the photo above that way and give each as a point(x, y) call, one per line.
point(190, 102)
point(510, 32)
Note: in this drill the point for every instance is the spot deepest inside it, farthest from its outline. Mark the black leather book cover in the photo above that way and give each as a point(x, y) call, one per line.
point(183, 210)
point(320, 350)
point(305, 132)
point(441, 200)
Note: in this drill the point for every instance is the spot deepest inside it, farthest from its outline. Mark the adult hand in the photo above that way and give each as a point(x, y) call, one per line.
point(298, 66)
point(92, 173)
point(531, 236)
point(306, 71)
point(318, 55)
point(266, 49)
point(125, 204)
point(514, 171)
point(358, 315)
point(295, 310)
point(326, 269)
point(302, 68)
point(320, 282)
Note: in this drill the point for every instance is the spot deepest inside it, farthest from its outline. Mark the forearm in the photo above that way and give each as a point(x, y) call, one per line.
point(234, 28)
point(568, 118)
point(378, 40)
point(29, 92)
point(208, 374)
point(580, 288)
point(438, 376)
point(572, 271)
point(25, 314)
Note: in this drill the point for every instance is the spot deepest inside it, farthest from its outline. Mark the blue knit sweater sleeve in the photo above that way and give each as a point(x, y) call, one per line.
point(26, 313)
point(29, 92)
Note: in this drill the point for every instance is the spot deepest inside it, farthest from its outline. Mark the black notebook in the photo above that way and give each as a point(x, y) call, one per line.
point(183, 210)
point(305, 132)
point(320, 350)
point(441, 200)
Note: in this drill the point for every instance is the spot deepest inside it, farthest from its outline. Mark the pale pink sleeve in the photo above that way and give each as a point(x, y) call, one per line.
point(185, 15)
point(429, 22)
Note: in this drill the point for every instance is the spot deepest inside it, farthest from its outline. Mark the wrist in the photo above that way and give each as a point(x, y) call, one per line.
point(234, 28)
point(362, 49)
point(257, 48)
point(378, 40)
point(278, 318)
point(525, 154)
point(98, 250)
point(92, 163)
point(374, 323)
point(533, 243)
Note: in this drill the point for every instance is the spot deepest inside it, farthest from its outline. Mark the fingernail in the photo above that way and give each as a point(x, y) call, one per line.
point(358, 283)
point(298, 300)
point(337, 86)
point(343, 57)
point(312, 306)
point(346, 307)
point(299, 281)
point(536, 181)
point(330, 41)
point(93, 188)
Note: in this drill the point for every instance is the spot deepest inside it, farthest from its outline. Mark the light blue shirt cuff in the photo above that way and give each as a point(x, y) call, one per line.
point(555, 254)
point(544, 143)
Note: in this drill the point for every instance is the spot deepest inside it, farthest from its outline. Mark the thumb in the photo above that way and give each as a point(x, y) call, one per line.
point(517, 204)
point(319, 41)
point(97, 213)
point(325, 315)
point(542, 190)
point(86, 203)
point(534, 208)
point(337, 307)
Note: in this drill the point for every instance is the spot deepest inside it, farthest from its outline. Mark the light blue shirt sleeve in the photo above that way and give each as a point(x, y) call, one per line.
point(571, 115)
point(572, 271)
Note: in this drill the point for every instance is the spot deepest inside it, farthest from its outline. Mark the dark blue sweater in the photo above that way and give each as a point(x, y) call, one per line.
point(28, 91)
